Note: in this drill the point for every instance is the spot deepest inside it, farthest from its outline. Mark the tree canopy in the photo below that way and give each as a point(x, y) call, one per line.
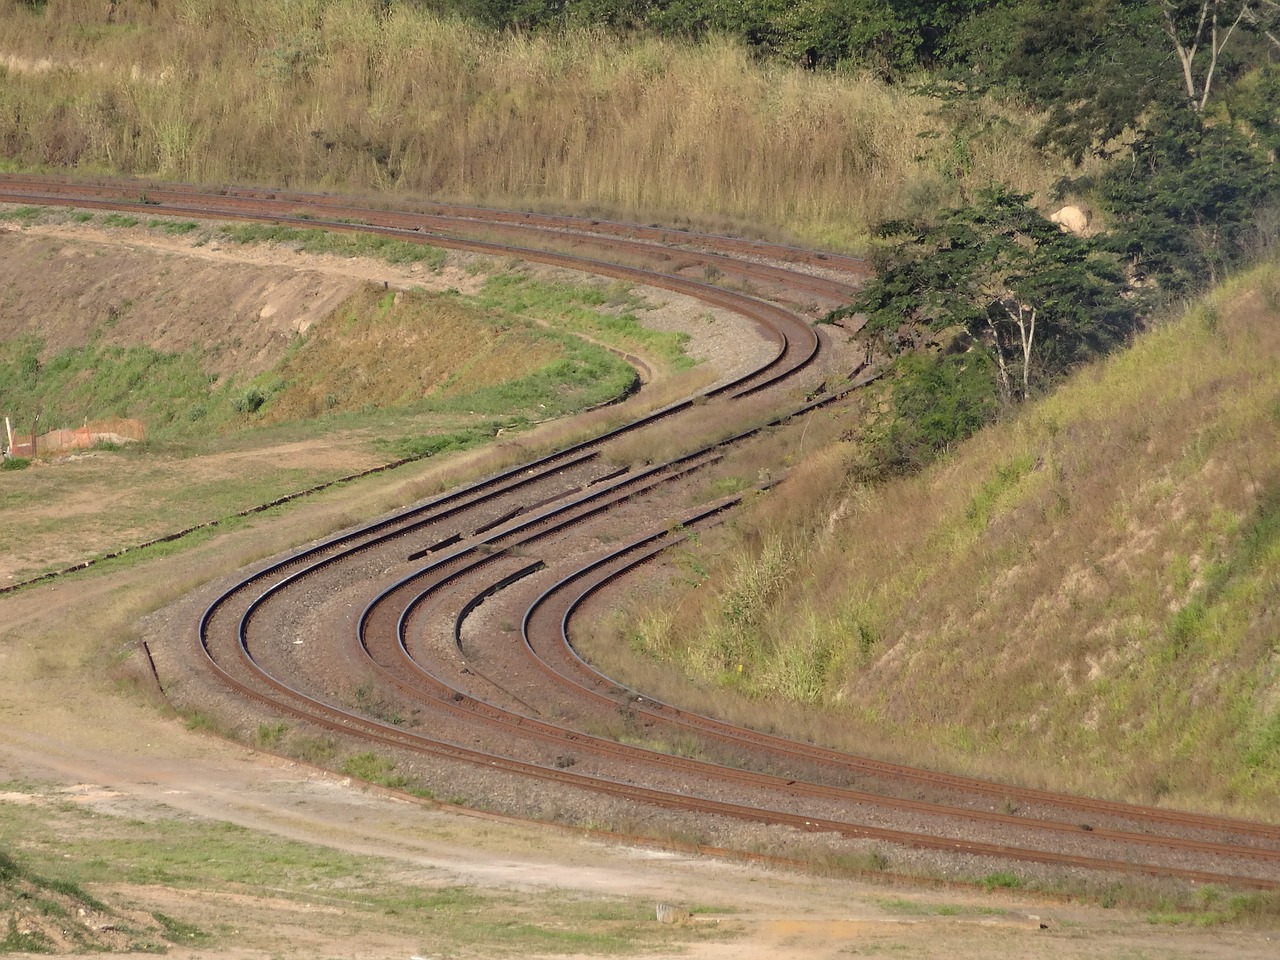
point(1036, 298)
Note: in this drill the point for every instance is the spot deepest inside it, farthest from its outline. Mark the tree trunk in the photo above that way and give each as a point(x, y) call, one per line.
point(1198, 93)
point(1006, 388)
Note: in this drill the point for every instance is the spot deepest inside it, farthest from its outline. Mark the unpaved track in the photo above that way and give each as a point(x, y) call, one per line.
point(123, 760)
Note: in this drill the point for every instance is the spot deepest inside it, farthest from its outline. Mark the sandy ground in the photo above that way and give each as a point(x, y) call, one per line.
point(65, 726)
point(124, 760)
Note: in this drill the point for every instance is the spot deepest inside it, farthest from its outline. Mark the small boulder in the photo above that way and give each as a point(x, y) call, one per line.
point(1071, 219)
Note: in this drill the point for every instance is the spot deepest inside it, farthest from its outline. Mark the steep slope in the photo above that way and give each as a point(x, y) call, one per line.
point(1085, 594)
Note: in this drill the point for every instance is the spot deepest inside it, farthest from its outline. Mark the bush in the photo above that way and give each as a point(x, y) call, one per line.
point(937, 402)
point(15, 463)
point(250, 401)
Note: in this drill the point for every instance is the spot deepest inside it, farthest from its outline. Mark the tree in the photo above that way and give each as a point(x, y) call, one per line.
point(1100, 68)
point(1208, 26)
point(1184, 206)
point(1039, 299)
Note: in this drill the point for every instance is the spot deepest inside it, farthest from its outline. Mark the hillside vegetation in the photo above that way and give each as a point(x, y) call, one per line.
point(202, 352)
point(361, 94)
point(1084, 595)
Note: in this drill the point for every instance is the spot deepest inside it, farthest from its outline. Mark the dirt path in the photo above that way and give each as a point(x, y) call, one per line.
point(779, 915)
point(66, 730)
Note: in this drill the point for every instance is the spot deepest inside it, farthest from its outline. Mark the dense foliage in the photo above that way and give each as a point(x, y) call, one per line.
point(1037, 298)
point(1180, 97)
point(1011, 301)
point(1191, 203)
point(889, 35)
point(1104, 49)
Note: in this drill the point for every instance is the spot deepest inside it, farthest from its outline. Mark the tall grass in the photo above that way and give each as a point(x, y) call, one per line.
point(361, 95)
point(1085, 595)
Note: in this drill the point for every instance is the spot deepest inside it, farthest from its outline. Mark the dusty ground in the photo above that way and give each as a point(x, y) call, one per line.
point(86, 744)
point(70, 729)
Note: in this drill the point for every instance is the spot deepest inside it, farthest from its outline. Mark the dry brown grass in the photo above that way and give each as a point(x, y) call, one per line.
point(339, 95)
point(1083, 596)
point(392, 349)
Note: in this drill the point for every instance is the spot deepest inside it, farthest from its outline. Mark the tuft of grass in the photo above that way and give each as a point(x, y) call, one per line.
point(203, 722)
point(319, 751)
point(270, 735)
point(17, 941)
point(1002, 880)
point(24, 214)
point(179, 931)
point(313, 240)
point(430, 446)
point(373, 768)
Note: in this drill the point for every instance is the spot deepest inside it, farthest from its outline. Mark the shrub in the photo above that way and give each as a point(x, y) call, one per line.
point(250, 401)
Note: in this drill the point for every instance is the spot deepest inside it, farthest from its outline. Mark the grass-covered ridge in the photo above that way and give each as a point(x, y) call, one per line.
point(399, 362)
point(416, 351)
point(1085, 594)
point(368, 95)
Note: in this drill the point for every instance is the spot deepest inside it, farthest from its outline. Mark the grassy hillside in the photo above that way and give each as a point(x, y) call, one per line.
point(356, 95)
point(1085, 595)
point(202, 370)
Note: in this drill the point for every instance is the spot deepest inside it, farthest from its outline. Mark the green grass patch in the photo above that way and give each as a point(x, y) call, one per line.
point(15, 463)
point(179, 931)
point(270, 735)
point(78, 847)
point(96, 381)
point(1002, 880)
point(605, 313)
point(25, 215)
point(201, 722)
point(435, 444)
point(583, 376)
point(119, 220)
point(17, 941)
point(310, 240)
point(174, 227)
point(374, 769)
point(981, 508)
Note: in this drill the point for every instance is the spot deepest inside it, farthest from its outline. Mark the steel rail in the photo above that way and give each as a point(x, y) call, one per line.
point(485, 216)
point(444, 225)
point(594, 576)
point(785, 362)
point(446, 691)
point(451, 700)
point(664, 711)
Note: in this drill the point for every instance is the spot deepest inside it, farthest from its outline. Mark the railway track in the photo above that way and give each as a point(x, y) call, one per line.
point(408, 603)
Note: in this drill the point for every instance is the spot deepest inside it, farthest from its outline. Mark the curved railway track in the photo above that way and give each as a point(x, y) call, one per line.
point(409, 603)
